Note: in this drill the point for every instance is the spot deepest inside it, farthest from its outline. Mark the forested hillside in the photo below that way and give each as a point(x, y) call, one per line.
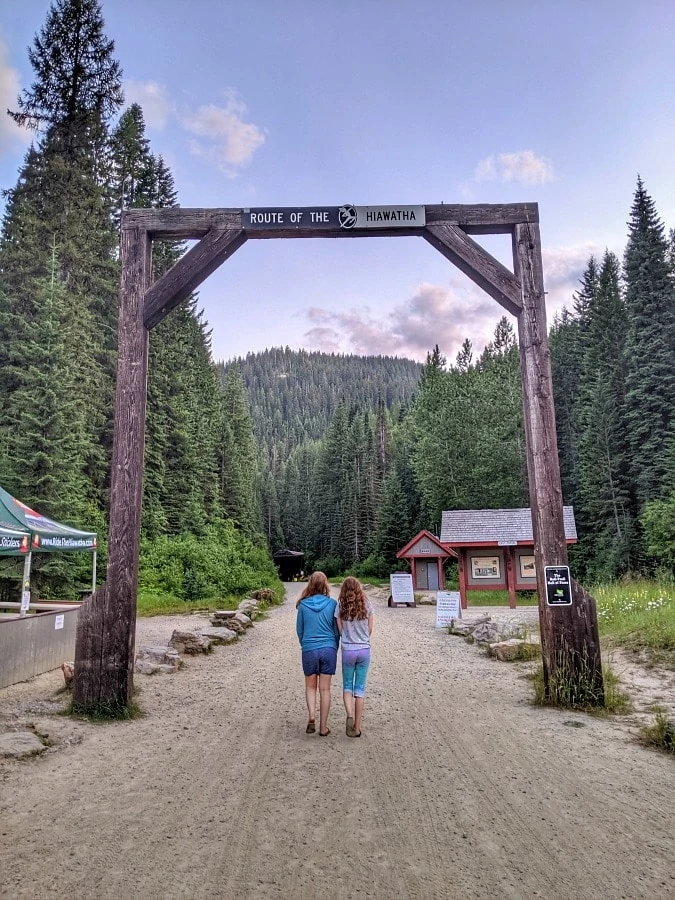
point(293, 394)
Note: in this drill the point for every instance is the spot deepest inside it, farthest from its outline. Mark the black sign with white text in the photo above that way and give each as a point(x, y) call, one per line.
point(345, 218)
point(558, 585)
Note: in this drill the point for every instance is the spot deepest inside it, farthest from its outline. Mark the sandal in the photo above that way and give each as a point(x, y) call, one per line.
point(350, 726)
point(324, 733)
point(354, 734)
point(311, 727)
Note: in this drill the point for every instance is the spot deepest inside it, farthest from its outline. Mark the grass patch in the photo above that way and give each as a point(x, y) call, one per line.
point(499, 598)
point(568, 693)
point(639, 616)
point(104, 712)
point(660, 735)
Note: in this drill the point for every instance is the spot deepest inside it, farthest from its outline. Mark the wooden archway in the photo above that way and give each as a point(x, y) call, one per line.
point(106, 630)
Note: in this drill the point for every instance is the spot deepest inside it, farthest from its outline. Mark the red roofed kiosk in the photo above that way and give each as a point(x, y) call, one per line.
point(495, 548)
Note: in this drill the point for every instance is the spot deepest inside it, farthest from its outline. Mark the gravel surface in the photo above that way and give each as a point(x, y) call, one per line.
point(459, 787)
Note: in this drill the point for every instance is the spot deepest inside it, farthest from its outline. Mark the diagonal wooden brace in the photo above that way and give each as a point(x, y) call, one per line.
point(482, 268)
point(189, 272)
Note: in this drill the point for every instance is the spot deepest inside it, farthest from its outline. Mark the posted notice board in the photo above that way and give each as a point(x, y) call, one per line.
point(448, 607)
point(401, 585)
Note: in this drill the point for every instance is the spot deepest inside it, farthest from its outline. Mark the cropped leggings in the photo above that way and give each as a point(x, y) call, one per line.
point(355, 671)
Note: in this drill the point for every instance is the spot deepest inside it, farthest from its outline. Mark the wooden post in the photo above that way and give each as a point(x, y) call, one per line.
point(569, 634)
point(441, 579)
point(510, 560)
point(461, 571)
point(104, 654)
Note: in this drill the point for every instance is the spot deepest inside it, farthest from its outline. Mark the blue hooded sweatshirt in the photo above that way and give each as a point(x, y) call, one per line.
point(316, 624)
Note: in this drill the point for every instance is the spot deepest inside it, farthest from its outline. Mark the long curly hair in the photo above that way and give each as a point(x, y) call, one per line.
point(352, 600)
point(317, 584)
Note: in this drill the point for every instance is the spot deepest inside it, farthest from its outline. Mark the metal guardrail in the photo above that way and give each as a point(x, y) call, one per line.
point(33, 644)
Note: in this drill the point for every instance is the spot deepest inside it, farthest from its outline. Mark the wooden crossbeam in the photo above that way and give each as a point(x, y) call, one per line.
point(179, 223)
point(189, 272)
point(480, 266)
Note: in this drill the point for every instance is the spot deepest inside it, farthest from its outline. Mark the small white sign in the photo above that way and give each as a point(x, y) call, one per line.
point(448, 607)
point(58, 621)
point(401, 585)
point(25, 601)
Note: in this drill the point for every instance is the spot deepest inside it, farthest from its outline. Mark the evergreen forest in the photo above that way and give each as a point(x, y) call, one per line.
point(342, 457)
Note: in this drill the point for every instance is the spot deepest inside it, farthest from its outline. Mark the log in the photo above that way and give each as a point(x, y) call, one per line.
point(104, 650)
point(569, 634)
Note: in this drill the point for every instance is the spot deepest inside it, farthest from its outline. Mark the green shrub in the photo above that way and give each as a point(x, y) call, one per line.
point(206, 569)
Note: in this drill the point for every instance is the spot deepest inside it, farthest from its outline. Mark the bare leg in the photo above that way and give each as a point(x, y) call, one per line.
point(324, 699)
point(348, 700)
point(358, 713)
point(310, 695)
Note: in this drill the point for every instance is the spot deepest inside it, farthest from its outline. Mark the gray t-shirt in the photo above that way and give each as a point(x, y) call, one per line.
point(355, 631)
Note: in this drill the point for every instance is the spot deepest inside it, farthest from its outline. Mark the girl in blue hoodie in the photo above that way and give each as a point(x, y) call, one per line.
point(319, 638)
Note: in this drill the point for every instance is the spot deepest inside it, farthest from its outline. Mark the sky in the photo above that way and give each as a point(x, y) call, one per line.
point(259, 103)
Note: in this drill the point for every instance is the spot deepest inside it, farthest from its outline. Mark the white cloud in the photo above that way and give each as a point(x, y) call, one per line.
point(563, 268)
point(216, 133)
point(221, 134)
point(12, 136)
point(436, 314)
point(522, 166)
point(153, 99)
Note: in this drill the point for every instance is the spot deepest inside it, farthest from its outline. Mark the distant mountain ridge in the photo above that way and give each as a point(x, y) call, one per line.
point(294, 393)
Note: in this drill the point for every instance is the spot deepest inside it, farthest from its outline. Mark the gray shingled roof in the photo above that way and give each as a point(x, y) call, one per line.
point(507, 525)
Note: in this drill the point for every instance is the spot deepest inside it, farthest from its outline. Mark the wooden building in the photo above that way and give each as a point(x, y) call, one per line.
point(495, 548)
point(426, 555)
point(290, 563)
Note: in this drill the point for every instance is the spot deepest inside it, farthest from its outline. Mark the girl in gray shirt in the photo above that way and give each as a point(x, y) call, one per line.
point(354, 614)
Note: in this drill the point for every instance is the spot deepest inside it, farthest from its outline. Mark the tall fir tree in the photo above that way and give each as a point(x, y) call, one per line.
point(604, 508)
point(650, 381)
point(59, 212)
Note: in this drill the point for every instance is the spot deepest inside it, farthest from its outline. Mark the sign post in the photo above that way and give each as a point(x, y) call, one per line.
point(558, 585)
point(448, 607)
point(402, 593)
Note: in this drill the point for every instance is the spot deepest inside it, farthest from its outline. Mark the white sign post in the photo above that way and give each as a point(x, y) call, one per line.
point(401, 585)
point(448, 607)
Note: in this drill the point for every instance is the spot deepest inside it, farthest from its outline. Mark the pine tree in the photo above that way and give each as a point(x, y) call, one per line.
point(650, 382)
point(604, 512)
point(58, 213)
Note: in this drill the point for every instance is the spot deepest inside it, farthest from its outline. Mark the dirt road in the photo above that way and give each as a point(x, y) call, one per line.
point(459, 788)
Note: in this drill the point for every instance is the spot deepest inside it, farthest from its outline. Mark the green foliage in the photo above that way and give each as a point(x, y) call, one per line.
point(578, 691)
point(661, 734)
point(468, 447)
point(658, 524)
point(210, 567)
point(639, 615)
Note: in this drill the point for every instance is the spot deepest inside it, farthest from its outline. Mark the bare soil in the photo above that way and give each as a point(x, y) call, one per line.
point(458, 788)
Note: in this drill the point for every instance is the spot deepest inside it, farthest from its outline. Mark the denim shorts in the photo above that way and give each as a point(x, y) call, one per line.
point(355, 671)
point(319, 662)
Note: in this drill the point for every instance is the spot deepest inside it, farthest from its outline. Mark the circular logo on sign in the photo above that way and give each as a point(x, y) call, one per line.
point(347, 216)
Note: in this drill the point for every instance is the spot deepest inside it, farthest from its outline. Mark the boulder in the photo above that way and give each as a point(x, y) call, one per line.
point(264, 594)
point(189, 642)
point(220, 635)
point(493, 632)
point(242, 619)
point(68, 669)
point(16, 744)
point(157, 660)
point(463, 629)
point(514, 648)
point(250, 608)
point(224, 614)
